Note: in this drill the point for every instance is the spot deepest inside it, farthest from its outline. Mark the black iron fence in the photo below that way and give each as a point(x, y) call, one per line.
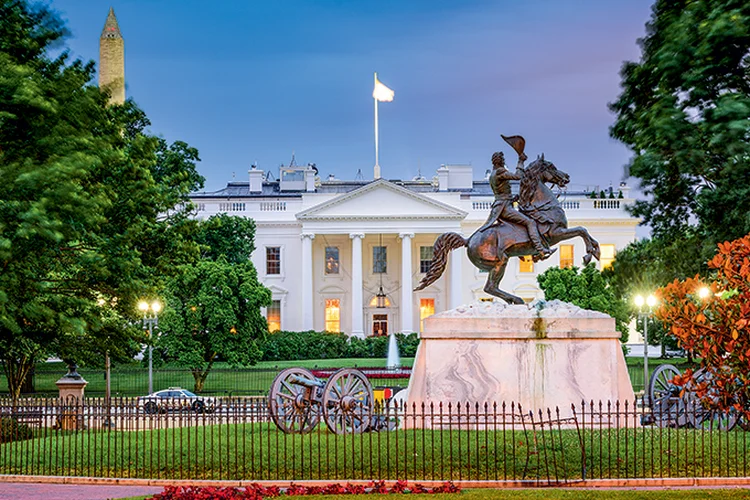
point(237, 439)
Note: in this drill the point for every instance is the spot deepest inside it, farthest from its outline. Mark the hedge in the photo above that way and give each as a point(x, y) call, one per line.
point(13, 430)
point(288, 346)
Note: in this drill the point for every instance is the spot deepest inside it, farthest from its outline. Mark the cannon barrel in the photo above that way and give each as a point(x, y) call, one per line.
point(306, 382)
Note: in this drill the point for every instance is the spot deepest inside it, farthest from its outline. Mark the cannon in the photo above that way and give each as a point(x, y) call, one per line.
point(297, 401)
point(675, 406)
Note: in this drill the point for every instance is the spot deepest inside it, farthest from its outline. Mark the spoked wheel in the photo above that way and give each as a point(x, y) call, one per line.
point(701, 417)
point(292, 406)
point(667, 407)
point(348, 402)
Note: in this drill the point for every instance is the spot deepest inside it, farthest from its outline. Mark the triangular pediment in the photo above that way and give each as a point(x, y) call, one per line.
point(381, 199)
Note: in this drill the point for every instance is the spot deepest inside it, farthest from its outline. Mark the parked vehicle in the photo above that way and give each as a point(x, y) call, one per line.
point(176, 399)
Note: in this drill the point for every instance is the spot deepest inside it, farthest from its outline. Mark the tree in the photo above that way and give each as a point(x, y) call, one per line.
point(213, 309)
point(585, 288)
point(684, 112)
point(645, 265)
point(227, 236)
point(92, 209)
point(212, 313)
point(715, 325)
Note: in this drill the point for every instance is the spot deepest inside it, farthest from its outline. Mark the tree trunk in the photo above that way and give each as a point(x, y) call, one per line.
point(200, 375)
point(17, 371)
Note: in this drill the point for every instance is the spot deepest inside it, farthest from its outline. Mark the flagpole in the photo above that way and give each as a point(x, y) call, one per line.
point(377, 159)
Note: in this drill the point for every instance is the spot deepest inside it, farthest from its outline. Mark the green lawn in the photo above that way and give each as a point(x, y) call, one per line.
point(258, 451)
point(132, 380)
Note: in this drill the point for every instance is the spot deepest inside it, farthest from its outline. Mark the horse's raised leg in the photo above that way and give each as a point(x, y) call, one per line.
point(558, 234)
point(493, 280)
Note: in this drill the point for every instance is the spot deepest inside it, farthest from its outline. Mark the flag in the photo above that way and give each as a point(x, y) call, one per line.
point(381, 92)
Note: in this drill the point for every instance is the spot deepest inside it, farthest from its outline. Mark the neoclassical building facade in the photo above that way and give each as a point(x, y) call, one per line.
point(345, 255)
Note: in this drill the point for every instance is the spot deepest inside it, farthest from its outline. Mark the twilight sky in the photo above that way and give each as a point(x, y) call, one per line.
point(253, 81)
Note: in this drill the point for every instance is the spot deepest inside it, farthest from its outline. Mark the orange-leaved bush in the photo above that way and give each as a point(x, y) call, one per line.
point(711, 319)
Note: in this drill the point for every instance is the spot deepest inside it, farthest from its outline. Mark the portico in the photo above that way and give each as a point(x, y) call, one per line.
point(386, 227)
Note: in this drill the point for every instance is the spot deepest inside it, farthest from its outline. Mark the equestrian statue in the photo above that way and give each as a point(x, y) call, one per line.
point(529, 231)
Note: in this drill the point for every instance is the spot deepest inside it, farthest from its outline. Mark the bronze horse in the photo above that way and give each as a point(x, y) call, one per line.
point(490, 249)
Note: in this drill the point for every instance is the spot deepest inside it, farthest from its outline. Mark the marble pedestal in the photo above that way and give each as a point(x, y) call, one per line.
point(544, 355)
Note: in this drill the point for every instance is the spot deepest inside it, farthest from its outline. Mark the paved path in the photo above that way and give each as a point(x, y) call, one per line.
point(30, 491)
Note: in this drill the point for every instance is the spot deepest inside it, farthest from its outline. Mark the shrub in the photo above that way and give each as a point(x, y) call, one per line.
point(13, 430)
point(288, 346)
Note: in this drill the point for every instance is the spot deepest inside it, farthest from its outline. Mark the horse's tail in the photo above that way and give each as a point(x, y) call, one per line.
point(443, 246)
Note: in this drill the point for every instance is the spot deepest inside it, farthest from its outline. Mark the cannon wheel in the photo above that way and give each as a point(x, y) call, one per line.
point(667, 406)
point(293, 407)
point(348, 402)
point(703, 418)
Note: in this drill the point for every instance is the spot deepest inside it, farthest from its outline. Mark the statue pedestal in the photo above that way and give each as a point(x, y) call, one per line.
point(546, 357)
point(71, 389)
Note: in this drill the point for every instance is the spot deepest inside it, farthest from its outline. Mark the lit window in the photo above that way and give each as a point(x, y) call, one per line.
point(425, 259)
point(332, 260)
point(273, 315)
point(379, 324)
point(333, 315)
point(566, 256)
point(379, 260)
point(273, 260)
point(607, 255)
point(525, 264)
point(374, 302)
point(426, 309)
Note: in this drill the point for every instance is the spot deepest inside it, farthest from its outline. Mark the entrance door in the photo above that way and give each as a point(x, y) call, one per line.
point(379, 324)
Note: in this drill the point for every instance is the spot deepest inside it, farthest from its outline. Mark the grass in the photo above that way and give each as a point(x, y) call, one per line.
point(258, 451)
point(132, 380)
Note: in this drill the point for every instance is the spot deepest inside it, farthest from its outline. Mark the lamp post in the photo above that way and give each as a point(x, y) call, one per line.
point(649, 302)
point(150, 321)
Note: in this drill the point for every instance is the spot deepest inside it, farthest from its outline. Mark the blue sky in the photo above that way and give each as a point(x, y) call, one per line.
point(255, 80)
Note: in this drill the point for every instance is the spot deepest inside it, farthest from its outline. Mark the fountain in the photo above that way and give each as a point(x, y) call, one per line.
point(394, 360)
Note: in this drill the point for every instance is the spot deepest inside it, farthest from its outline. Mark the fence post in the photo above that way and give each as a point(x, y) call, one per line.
point(71, 387)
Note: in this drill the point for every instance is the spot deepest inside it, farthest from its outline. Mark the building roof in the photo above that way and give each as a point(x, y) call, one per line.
point(238, 189)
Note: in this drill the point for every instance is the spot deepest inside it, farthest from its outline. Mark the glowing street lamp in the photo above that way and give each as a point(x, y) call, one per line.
point(649, 302)
point(703, 293)
point(150, 321)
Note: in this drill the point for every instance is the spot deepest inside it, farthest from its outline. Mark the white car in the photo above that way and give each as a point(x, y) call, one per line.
point(176, 399)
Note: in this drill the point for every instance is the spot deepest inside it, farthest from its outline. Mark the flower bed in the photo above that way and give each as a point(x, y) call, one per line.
point(258, 492)
point(373, 373)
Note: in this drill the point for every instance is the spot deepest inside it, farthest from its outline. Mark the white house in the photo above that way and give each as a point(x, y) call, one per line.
point(325, 248)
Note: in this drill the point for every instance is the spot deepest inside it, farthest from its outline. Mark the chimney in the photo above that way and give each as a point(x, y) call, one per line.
point(256, 179)
point(309, 179)
point(443, 178)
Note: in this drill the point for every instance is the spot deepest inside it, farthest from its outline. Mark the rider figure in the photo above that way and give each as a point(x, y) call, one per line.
point(502, 208)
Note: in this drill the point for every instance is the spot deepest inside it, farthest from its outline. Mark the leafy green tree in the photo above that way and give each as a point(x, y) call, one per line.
point(647, 264)
point(684, 112)
point(213, 312)
point(588, 289)
point(227, 236)
point(213, 308)
point(92, 209)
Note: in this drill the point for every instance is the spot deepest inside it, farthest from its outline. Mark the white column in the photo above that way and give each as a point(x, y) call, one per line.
point(357, 322)
point(456, 261)
point(307, 282)
point(407, 315)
